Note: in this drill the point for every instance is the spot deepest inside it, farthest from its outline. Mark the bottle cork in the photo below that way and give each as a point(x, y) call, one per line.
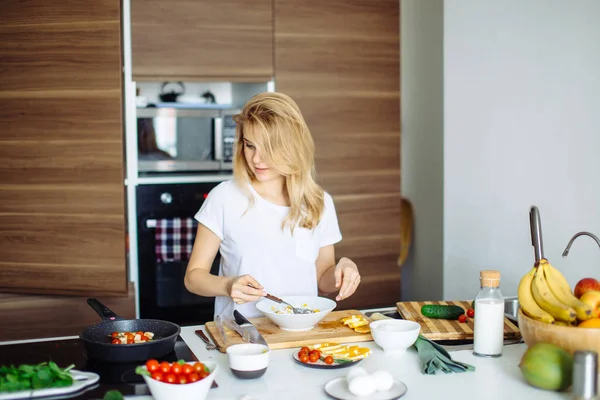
point(490, 278)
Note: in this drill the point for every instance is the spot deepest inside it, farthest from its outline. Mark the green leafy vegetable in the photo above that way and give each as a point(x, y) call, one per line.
point(142, 371)
point(113, 395)
point(28, 377)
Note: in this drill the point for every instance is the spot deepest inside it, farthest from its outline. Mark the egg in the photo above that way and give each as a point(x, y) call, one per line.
point(354, 372)
point(383, 380)
point(362, 385)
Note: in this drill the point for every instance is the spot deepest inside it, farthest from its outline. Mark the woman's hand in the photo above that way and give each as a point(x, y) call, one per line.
point(347, 278)
point(245, 289)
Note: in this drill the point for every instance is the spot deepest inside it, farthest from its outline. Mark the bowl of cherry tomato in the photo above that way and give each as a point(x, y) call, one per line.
point(178, 380)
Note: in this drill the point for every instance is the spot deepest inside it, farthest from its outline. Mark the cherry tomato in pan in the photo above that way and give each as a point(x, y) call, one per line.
point(462, 318)
point(328, 360)
point(306, 349)
point(116, 341)
point(313, 357)
point(114, 334)
point(470, 313)
point(303, 357)
point(317, 352)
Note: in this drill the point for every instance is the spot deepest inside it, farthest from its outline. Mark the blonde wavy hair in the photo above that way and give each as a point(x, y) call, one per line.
point(274, 124)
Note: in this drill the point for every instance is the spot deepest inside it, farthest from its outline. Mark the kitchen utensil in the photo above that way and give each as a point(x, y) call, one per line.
point(535, 225)
point(295, 310)
point(568, 248)
point(248, 360)
point(221, 328)
point(249, 330)
point(209, 345)
point(170, 97)
point(298, 322)
point(443, 329)
point(97, 343)
point(395, 335)
point(329, 329)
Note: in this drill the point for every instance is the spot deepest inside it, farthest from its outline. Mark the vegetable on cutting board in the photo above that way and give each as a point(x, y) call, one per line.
point(441, 311)
point(40, 376)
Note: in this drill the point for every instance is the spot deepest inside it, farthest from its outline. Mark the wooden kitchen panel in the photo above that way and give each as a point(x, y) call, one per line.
point(328, 330)
point(444, 329)
point(362, 181)
point(27, 316)
point(33, 12)
point(59, 116)
point(29, 162)
point(82, 198)
point(368, 246)
point(43, 57)
point(368, 214)
point(229, 40)
point(359, 152)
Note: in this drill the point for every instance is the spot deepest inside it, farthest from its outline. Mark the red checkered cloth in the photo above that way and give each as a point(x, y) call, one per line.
point(174, 238)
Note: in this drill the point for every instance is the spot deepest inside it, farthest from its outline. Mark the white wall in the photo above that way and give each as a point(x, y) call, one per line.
point(421, 32)
point(521, 127)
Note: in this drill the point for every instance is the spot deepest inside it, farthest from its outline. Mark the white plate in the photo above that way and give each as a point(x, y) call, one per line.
point(81, 380)
point(338, 389)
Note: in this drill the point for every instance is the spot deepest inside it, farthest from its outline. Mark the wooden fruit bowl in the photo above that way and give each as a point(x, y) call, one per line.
point(569, 338)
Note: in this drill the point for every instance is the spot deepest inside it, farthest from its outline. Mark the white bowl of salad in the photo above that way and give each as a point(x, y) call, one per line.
point(285, 319)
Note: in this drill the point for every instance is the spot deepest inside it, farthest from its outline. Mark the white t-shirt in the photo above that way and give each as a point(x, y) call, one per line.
point(253, 242)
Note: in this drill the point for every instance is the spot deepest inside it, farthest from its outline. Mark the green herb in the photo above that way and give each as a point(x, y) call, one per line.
point(113, 395)
point(142, 371)
point(27, 377)
point(181, 362)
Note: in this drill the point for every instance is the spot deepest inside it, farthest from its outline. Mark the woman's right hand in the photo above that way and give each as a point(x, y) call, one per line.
point(245, 289)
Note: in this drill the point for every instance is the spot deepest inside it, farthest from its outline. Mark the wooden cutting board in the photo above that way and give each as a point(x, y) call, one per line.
point(328, 330)
point(443, 329)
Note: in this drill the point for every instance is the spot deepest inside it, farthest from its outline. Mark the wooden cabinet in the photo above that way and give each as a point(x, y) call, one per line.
point(62, 207)
point(188, 40)
point(339, 59)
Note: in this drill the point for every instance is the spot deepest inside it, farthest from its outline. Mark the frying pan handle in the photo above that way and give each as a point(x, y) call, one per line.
point(106, 313)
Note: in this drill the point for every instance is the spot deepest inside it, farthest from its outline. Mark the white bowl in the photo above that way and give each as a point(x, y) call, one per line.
point(189, 391)
point(395, 335)
point(248, 360)
point(297, 322)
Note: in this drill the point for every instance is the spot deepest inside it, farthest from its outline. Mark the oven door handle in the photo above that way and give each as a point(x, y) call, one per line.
point(218, 121)
point(150, 223)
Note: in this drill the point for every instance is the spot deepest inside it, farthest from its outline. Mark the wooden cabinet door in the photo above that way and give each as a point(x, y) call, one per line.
point(339, 59)
point(229, 40)
point(62, 213)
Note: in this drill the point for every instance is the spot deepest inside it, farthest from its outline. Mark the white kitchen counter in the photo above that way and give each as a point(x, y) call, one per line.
point(498, 378)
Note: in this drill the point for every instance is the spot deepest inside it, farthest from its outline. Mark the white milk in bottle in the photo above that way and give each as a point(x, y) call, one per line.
point(489, 316)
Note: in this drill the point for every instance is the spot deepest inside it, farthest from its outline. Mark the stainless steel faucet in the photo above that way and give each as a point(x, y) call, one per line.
point(566, 252)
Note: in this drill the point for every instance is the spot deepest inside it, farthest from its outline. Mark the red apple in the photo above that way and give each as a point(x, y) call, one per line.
point(592, 299)
point(584, 285)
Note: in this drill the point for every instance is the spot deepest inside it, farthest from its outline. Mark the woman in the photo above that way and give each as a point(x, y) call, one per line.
point(274, 226)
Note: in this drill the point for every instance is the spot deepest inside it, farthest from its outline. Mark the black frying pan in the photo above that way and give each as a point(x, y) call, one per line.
point(98, 344)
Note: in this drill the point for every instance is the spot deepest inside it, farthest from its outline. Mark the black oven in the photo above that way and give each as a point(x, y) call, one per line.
point(166, 233)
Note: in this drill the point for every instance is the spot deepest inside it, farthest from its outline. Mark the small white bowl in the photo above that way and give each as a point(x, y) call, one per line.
point(189, 391)
point(297, 322)
point(395, 335)
point(248, 360)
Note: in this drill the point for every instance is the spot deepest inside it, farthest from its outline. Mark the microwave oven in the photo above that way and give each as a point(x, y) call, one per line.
point(175, 140)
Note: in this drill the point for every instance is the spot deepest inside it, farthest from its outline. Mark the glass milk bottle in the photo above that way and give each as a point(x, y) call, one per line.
point(489, 316)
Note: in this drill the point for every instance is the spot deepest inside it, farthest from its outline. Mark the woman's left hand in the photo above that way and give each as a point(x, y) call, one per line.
point(347, 278)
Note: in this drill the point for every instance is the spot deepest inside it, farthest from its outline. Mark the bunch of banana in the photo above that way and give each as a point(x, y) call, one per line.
point(545, 295)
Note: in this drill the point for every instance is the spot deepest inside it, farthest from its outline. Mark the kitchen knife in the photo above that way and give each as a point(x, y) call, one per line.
point(249, 331)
